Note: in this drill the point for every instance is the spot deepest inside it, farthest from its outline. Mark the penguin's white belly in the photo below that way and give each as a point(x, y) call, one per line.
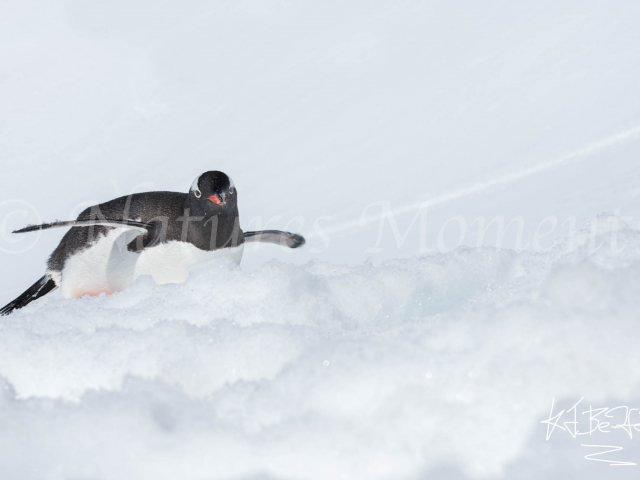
point(107, 266)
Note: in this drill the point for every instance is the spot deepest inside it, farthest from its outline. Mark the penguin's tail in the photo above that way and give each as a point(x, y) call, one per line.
point(39, 289)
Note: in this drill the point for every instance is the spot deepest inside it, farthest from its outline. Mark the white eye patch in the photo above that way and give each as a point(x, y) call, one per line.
point(195, 189)
point(232, 186)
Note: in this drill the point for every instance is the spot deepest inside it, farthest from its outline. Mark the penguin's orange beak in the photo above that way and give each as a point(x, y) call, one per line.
point(215, 199)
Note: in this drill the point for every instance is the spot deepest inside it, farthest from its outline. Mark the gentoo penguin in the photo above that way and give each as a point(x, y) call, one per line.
point(155, 233)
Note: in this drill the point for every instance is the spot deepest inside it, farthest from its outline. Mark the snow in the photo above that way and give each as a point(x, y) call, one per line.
point(467, 178)
point(322, 371)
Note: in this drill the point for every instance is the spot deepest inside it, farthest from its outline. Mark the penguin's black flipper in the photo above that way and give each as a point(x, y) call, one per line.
point(155, 233)
point(278, 237)
point(34, 292)
point(86, 223)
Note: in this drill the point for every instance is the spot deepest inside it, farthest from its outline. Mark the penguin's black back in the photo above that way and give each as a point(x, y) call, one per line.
point(146, 207)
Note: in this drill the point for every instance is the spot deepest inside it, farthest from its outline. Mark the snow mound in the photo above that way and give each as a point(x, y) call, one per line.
point(322, 371)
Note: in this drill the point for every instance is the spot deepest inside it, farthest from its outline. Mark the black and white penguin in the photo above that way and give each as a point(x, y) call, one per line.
point(155, 233)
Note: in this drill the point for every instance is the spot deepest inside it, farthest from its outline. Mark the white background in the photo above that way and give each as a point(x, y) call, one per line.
point(319, 110)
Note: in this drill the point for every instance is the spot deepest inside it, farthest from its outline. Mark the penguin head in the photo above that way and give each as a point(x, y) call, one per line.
point(213, 192)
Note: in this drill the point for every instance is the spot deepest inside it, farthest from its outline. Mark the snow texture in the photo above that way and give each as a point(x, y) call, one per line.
point(321, 371)
point(412, 337)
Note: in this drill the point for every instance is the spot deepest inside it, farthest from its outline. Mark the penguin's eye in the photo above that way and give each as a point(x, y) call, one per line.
point(232, 189)
point(197, 193)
